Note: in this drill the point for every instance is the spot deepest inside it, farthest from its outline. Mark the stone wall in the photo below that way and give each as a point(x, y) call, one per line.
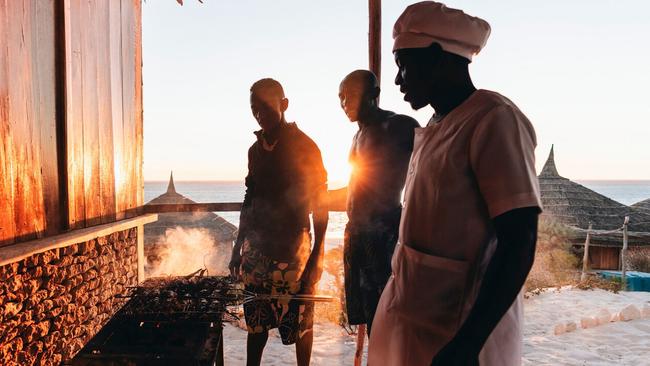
point(53, 302)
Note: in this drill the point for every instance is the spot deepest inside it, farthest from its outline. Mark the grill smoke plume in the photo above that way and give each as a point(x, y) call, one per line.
point(183, 251)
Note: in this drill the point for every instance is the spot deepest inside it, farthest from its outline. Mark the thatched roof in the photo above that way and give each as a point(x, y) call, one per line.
point(575, 205)
point(221, 230)
point(643, 206)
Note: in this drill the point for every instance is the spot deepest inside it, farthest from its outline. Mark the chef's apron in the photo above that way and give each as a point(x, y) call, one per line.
point(427, 298)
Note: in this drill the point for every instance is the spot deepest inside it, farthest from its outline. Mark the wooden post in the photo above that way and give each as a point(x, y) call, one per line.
point(585, 257)
point(361, 337)
point(624, 253)
point(374, 61)
point(374, 37)
point(140, 252)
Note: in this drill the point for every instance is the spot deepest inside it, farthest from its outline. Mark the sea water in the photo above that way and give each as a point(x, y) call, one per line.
point(626, 192)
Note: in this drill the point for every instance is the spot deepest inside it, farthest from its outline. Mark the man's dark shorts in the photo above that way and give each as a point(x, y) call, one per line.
point(367, 254)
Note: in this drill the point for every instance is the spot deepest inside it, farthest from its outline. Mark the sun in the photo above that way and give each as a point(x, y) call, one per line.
point(338, 173)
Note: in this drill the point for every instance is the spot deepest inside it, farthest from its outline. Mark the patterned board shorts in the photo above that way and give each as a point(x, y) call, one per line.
point(263, 275)
point(367, 253)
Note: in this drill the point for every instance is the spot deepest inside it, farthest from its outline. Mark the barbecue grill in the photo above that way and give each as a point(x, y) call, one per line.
point(167, 321)
point(172, 321)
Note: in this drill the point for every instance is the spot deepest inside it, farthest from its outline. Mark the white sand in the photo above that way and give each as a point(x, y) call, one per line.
point(617, 343)
point(332, 346)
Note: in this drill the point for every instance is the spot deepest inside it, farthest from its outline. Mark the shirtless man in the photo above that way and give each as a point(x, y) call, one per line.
point(286, 181)
point(379, 155)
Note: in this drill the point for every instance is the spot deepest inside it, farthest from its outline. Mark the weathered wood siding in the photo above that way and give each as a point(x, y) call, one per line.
point(104, 110)
point(29, 193)
point(71, 115)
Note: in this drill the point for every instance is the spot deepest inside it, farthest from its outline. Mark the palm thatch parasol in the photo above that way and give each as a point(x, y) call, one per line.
point(221, 230)
point(643, 206)
point(575, 205)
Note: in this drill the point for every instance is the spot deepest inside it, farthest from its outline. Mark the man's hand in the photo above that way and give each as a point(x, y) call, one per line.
point(453, 355)
point(235, 263)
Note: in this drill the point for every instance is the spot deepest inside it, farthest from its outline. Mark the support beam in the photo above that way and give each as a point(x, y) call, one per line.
point(374, 37)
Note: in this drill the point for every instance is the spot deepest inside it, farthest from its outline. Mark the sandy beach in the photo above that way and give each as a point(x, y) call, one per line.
point(613, 343)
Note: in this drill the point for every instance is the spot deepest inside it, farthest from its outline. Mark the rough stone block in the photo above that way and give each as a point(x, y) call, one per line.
point(71, 249)
point(14, 283)
point(56, 290)
point(102, 241)
point(559, 329)
point(73, 281)
point(89, 264)
point(112, 238)
point(87, 247)
point(64, 261)
point(25, 316)
point(571, 326)
point(630, 312)
point(63, 300)
point(25, 358)
point(53, 313)
point(47, 257)
point(93, 284)
point(11, 309)
point(18, 296)
point(588, 322)
point(73, 270)
point(35, 348)
point(79, 291)
point(31, 286)
point(8, 270)
point(90, 275)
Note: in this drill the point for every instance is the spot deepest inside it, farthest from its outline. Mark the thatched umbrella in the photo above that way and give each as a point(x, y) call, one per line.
point(643, 206)
point(219, 228)
point(575, 205)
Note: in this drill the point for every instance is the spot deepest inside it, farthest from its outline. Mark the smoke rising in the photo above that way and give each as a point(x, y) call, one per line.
point(183, 251)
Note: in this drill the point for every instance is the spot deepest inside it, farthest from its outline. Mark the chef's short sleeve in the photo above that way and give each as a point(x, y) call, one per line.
point(502, 157)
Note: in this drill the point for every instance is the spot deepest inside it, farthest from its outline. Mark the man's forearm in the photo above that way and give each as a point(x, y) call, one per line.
point(504, 277)
point(321, 218)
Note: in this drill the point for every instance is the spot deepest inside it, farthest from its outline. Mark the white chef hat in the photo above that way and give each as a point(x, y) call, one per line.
point(426, 22)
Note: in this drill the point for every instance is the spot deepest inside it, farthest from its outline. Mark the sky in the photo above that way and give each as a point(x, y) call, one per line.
point(578, 69)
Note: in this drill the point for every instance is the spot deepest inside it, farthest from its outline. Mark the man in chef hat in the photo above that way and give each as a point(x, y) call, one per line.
point(471, 202)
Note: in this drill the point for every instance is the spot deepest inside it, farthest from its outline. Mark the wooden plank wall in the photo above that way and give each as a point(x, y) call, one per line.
point(29, 184)
point(84, 167)
point(604, 257)
point(104, 110)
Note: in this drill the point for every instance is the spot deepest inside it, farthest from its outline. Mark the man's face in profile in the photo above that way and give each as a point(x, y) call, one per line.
point(415, 80)
point(267, 107)
point(351, 96)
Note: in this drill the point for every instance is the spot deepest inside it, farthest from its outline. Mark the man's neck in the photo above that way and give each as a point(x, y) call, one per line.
point(452, 99)
point(273, 134)
point(372, 117)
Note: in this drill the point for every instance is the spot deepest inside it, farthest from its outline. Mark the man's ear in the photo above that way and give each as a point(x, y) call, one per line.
point(284, 104)
point(374, 94)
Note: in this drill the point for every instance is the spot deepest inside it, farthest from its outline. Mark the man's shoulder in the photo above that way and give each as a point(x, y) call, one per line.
point(400, 123)
point(491, 101)
point(300, 137)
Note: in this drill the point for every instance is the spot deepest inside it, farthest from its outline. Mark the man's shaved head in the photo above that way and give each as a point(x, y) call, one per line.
point(361, 78)
point(269, 85)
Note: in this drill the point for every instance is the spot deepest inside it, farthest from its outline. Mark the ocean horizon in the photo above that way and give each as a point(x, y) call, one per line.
point(624, 191)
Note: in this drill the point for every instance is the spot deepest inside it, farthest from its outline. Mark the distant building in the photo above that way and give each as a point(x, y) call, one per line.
point(576, 206)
